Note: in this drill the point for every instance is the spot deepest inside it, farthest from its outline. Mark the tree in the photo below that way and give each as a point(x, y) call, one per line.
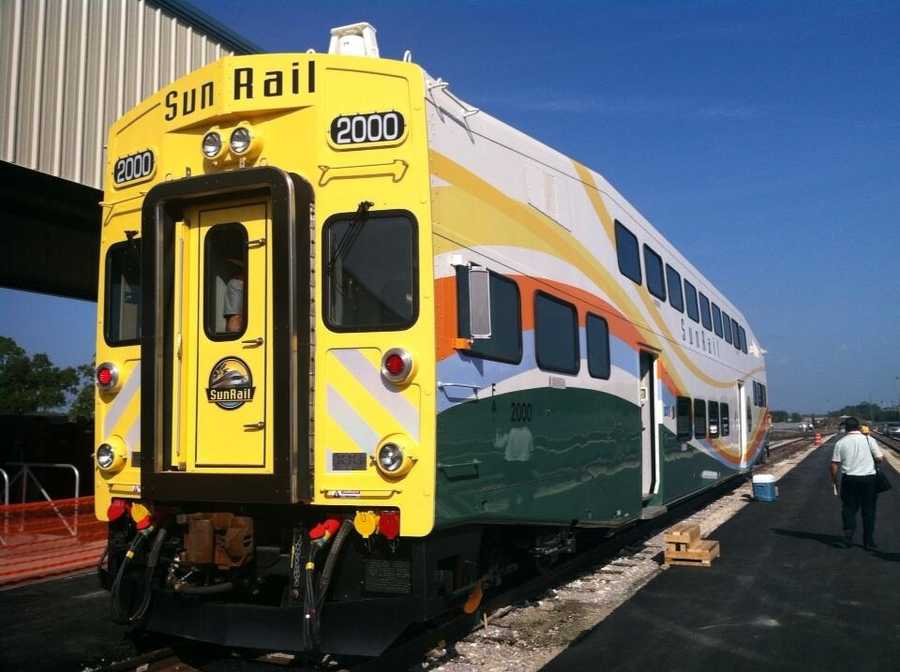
point(30, 384)
point(82, 407)
point(795, 417)
point(780, 416)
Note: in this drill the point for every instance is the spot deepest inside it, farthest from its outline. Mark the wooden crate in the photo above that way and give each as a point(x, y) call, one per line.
point(682, 536)
point(701, 553)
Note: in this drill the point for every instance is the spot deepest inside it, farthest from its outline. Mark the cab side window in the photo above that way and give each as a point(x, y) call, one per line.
point(505, 343)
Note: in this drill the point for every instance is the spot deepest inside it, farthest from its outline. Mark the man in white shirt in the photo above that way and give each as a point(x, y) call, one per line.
point(854, 457)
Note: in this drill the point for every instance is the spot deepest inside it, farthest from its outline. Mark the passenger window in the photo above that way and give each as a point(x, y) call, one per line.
point(764, 397)
point(371, 272)
point(122, 298)
point(505, 343)
point(713, 419)
point(743, 339)
point(704, 312)
point(717, 320)
point(627, 251)
point(653, 266)
point(555, 334)
point(690, 297)
point(736, 337)
point(597, 346)
point(676, 296)
point(225, 282)
point(699, 419)
point(726, 326)
point(684, 420)
point(724, 419)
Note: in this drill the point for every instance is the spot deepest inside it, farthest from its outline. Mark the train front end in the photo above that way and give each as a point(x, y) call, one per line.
point(265, 408)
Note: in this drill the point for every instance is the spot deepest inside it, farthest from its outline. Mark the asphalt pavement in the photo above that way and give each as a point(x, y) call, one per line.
point(783, 596)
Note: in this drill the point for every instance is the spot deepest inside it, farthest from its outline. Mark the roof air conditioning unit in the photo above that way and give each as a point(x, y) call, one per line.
point(357, 39)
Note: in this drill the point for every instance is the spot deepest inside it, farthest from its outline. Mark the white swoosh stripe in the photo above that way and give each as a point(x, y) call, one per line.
point(351, 422)
point(122, 400)
point(370, 378)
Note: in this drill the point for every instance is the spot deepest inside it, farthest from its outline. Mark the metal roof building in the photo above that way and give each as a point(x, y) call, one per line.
point(68, 69)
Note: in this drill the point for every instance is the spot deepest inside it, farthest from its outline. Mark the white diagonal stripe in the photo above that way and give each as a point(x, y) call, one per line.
point(391, 400)
point(122, 399)
point(351, 422)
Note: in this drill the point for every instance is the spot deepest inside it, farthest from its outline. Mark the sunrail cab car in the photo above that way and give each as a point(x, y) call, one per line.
point(365, 350)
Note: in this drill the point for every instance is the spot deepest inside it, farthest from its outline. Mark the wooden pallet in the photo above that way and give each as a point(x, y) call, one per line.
point(685, 547)
point(701, 554)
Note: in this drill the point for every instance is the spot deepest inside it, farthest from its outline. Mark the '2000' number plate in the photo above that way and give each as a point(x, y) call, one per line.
point(134, 168)
point(354, 129)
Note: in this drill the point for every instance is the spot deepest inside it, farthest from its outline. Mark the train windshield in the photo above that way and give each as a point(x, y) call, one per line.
point(370, 272)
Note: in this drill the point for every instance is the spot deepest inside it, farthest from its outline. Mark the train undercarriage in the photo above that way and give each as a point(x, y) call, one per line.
point(261, 580)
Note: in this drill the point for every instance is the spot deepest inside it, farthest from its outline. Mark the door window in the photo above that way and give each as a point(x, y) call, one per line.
point(225, 281)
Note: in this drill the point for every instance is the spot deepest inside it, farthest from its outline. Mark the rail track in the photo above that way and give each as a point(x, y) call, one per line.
point(187, 657)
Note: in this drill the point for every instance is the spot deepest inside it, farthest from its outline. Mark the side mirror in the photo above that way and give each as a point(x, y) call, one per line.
point(479, 302)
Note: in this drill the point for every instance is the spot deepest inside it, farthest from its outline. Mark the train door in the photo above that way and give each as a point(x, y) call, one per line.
point(649, 429)
point(741, 419)
point(227, 338)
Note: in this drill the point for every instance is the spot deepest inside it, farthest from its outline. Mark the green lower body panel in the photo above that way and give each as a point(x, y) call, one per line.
point(540, 456)
point(550, 456)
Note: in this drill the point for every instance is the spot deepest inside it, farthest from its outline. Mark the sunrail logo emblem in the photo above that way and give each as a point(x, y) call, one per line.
point(230, 384)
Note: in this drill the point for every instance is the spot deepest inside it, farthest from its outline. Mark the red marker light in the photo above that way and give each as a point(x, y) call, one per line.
point(394, 364)
point(389, 524)
point(104, 376)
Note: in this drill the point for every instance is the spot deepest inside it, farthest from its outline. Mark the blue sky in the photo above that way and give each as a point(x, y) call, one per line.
point(762, 138)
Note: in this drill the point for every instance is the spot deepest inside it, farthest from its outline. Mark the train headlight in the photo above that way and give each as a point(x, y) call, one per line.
point(212, 145)
point(390, 457)
point(105, 456)
point(240, 140)
point(110, 456)
point(393, 457)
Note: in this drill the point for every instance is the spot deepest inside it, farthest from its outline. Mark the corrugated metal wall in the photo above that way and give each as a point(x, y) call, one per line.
point(69, 68)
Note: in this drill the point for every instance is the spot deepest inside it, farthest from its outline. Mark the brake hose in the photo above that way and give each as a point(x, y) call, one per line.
point(118, 614)
point(152, 560)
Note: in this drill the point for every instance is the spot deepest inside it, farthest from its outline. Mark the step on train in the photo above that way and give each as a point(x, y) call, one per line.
point(365, 350)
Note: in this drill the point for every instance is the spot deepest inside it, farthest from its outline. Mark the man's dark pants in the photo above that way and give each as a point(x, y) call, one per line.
point(858, 492)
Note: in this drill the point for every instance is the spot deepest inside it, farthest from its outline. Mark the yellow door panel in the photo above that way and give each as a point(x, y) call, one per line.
point(231, 340)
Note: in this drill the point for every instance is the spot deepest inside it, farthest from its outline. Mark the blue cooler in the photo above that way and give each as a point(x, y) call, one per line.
point(764, 488)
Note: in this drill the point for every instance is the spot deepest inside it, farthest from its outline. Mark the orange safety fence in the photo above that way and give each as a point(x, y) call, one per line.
point(42, 539)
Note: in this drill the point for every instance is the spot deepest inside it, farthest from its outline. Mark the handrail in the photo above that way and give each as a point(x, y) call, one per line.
point(5, 487)
point(26, 472)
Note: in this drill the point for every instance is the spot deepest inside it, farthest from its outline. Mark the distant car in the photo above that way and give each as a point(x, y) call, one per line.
point(893, 431)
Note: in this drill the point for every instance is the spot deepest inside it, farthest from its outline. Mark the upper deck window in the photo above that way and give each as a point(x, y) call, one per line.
point(717, 320)
point(726, 326)
point(704, 312)
point(653, 266)
point(743, 335)
point(736, 335)
point(371, 273)
point(690, 297)
point(122, 295)
point(505, 343)
point(627, 251)
point(676, 296)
